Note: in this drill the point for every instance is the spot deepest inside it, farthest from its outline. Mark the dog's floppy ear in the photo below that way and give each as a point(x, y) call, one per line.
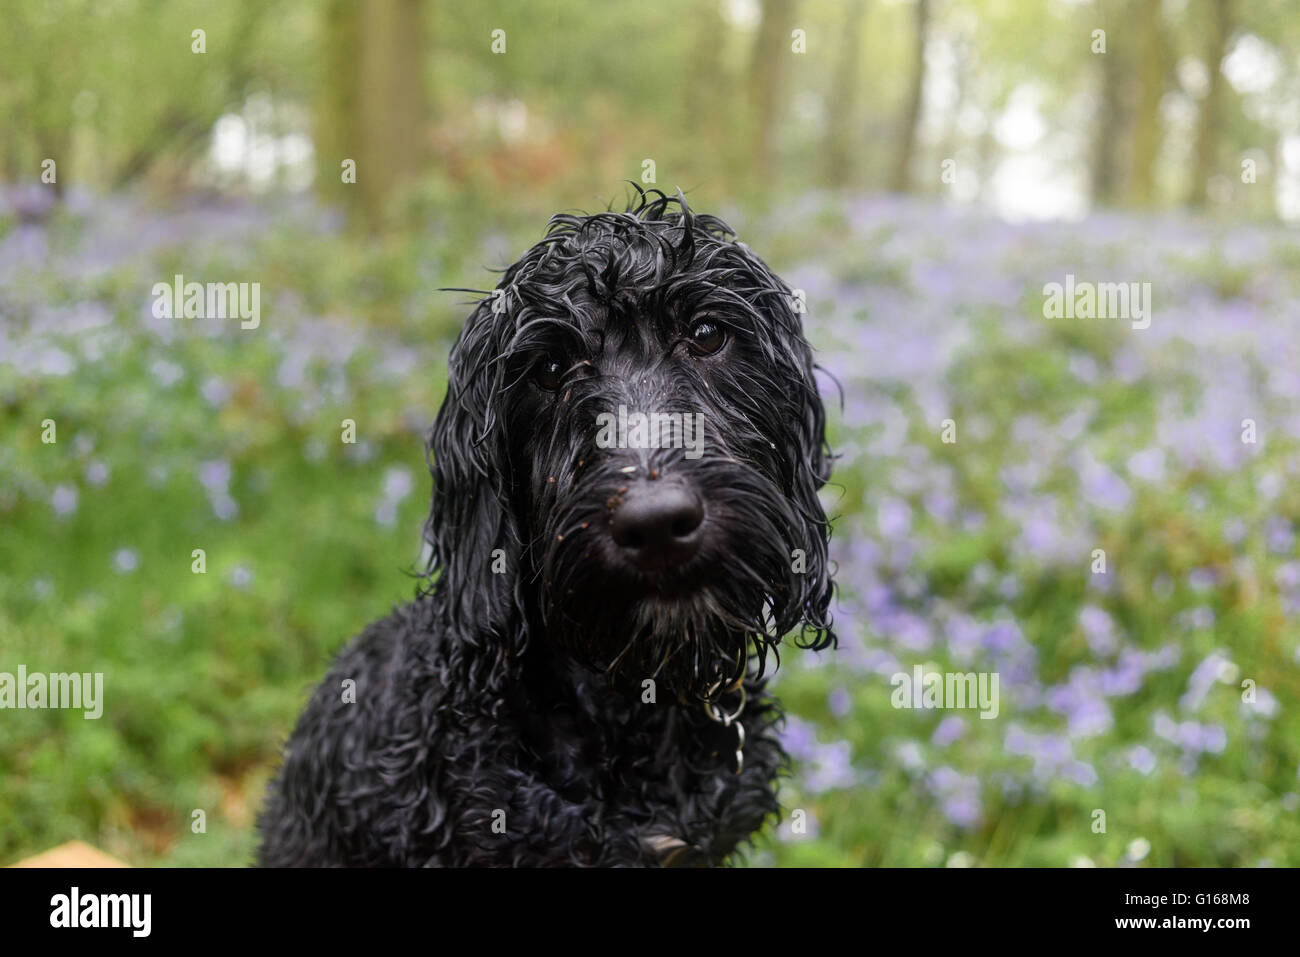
point(802, 431)
point(810, 472)
point(472, 530)
point(815, 599)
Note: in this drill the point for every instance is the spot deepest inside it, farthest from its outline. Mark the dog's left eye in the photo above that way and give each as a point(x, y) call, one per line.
point(549, 374)
point(706, 337)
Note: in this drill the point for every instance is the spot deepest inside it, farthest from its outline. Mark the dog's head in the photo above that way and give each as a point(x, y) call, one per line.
point(628, 457)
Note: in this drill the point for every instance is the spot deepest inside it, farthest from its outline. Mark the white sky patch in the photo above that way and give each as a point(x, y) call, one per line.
point(1033, 181)
point(1031, 187)
point(262, 146)
point(1193, 75)
point(1021, 124)
point(742, 13)
point(1288, 187)
point(1252, 66)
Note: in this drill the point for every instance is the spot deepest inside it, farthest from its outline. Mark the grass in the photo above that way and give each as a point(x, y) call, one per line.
point(162, 426)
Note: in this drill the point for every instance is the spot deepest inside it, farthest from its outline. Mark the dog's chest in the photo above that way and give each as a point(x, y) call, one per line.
point(603, 747)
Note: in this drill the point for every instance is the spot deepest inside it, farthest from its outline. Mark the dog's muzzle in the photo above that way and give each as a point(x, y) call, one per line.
point(657, 525)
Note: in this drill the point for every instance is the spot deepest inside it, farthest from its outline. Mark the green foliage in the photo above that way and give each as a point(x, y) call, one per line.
point(205, 673)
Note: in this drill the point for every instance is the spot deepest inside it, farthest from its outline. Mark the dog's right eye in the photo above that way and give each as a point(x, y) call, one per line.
point(706, 337)
point(549, 374)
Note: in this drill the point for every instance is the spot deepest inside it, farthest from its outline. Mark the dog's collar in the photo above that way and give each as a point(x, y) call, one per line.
point(711, 701)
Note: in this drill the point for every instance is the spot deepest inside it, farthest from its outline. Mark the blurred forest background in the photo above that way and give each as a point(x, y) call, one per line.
point(570, 98)
point(921, 168)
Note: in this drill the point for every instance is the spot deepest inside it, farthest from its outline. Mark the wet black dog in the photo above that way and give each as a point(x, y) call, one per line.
point(625, 523)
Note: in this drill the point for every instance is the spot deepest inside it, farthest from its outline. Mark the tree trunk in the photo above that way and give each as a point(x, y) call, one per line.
point(1111, 119)
point(841, 141)
point(372, 105)
point(901, 180)
point(337, 117)
point(1146, 118)
point(962, 52)
point(707, 93)
point(767, 75)
point(1205, 157)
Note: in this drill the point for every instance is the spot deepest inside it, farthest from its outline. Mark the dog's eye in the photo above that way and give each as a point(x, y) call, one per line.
point(549, 374)
point(706, 337)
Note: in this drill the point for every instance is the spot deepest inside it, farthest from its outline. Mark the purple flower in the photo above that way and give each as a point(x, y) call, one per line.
point(949, 730)
point(1081, 773)
point(959, 794)
point(1200, 618)
point(1264, 705)
point(799, 738)
point(1287, 576)
point(910, 756)
point(64, 500)
point(1003, 636)
point(1104, 489)
point(894, 519)
point(215, 476)
point(215, 392)
point(1196, 737)
point(1082, 702)
point(1142, 759)
point(1216, 667)
point(963, 634)
point(1126, 677)
point(126, 560)
point(1044, 534)
point(963, 810)
point(831, 768)
point(397, 486)
point(840, 703)
point(1099, 630)
point(166, 373)
point(1235, 531)
point(1148, 464)
point(1280, 535)
point(911, 631)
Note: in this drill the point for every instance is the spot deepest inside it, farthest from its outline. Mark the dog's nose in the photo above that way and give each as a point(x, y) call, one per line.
point(658, 521)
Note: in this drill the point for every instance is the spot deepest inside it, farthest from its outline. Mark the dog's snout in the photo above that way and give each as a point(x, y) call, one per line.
point(658, 521)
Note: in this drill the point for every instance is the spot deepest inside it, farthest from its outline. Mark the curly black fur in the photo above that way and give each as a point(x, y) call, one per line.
point(504, 717)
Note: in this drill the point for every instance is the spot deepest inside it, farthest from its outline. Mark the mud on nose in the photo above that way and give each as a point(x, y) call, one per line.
point(658, 521)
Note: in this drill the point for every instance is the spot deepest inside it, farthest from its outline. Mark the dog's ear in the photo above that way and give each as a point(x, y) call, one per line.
point(796, 419)
point(818, 588)
point(472, 530)
point(802, 431)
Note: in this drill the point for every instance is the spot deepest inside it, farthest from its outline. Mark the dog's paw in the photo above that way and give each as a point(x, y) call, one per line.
point(672, 851)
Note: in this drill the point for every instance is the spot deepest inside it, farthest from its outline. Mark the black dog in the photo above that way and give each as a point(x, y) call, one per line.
point(582, 681)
